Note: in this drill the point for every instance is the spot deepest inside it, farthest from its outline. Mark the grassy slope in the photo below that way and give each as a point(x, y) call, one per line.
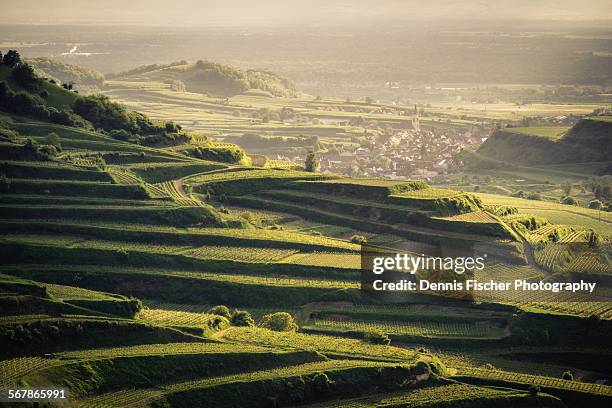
point(58, 97)
point(586, 141)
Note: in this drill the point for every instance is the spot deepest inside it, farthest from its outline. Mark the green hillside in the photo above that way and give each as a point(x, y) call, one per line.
point(587, 141)
point(212, 78)
point(58, 97)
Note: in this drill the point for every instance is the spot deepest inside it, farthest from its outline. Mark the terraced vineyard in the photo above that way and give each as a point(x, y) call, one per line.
point(245, 254)
point(432, 329)
point(155, 267)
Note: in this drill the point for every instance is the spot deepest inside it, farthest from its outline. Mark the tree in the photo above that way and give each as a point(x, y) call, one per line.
point(242, 318)
point(53, 139)
point(358, 239)
point(220, 310)
point(534, 390)
point(321, 383)
point(595, 204)
point(279, 321)
point(5, 183)
point(25, 76)
point(376, 337)
point(534, 196)
point(567, 188)
point(311, 164)
point(11, 58)
point(568, 200)
point(593, 239)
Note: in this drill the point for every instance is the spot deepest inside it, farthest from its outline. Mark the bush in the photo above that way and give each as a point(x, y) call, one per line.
point(534, 196)
point(5, 183)
point(120, 134)
point(593, 239)
point(47, 151)
point(11, 58)
point(311, 164)
point(53, 139)
point(534, 390)
point(321, 383)
point(422, 368)
point(359, 239)
point(24, 75)
point(221, 310)
point(376, 337)
point(569, 200)
point(242, 318)
point(279, 321)
point(108, 115)
point(218, 153)
point(595, 204)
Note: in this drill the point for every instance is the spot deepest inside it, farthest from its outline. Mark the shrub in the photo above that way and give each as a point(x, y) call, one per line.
point(242, 318)
point(11, 58)
point(24, 75)
point(226, 154)
point(53, 139)
point(47, 152)
point(279, 321)
point(321, 383)
point(358, 239)
point(5, 183)
point(422, 368)
point(534, 196)
point(534, 390)
point(569, 200)
point(595, 204)
point(221, 310)
point(311, 164)
point(376, 337)
point(593, 239)
point(120, 134)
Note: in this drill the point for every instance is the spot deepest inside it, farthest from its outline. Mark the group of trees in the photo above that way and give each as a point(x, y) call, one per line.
point(66, 73)
point(278, 321)
point(225, 80)
point(107, 115)
point(11, 58)
point(225, 154)
point(28, 104)
point(237, 318)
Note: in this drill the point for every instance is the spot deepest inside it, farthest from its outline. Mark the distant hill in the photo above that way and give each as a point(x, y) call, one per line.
point(590, 140)
point(62, 72)
point(213, 78)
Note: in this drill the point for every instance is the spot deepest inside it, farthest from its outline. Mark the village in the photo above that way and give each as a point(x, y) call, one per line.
point(414, 153)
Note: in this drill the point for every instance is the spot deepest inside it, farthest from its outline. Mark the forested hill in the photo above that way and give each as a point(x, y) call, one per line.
point(587, 141)
point(213, 78)
point(66, 73)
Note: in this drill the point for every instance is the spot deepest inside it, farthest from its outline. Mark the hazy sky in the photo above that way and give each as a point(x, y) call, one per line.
point(290, 12)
